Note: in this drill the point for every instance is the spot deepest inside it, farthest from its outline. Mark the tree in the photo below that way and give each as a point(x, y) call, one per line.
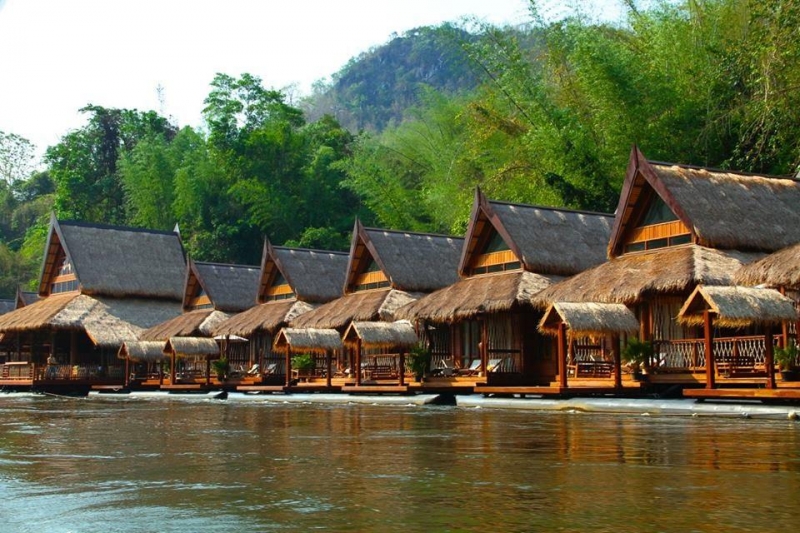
point(16, 157)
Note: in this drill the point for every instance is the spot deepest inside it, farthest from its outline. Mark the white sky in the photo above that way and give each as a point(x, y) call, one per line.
point(60, 55)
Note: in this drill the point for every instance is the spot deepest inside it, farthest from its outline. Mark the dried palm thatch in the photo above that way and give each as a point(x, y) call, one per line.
point(399, 334)
point(307, 340)
point(734, 307)
point(734, 210)
point(199, 323)
point(781, 269)
point(232, 288)
point(142, 351)
point(265, 317)
point(470, 297)
point(107, 321)
point(191, 346)
point(363, 306)
point(628, 278)
point(314, 275)
point(589, 318)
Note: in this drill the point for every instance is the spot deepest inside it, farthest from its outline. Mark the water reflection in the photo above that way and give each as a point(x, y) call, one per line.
point(161, 465)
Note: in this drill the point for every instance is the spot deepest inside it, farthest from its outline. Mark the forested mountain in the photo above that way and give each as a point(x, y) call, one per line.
point(544, 114)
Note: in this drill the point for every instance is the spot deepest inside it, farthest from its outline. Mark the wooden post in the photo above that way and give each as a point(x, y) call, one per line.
point(357, 369)
point(73, 347)
point(562, 355)
point(617, 361)
point(708, 339)
point(769, 359)
point(402, 369)
point(329, 368)
point(484, 348)
point(208, 370)
point(288, 377)
point(127, 372)
point(172, 369)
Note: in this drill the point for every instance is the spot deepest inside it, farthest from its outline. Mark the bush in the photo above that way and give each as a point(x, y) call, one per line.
point(303, 362)
point(419, 360)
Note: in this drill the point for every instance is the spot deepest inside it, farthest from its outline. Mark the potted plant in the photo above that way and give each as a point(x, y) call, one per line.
point(786, 359)
point(636, 355)
point(221, 368)
point(419, 361)
point(303, 364)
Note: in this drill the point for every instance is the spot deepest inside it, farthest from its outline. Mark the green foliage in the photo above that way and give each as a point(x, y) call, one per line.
point(786, 358)
point(221, 368)
point(419, 360)
point(637, 352)
point(303, 362)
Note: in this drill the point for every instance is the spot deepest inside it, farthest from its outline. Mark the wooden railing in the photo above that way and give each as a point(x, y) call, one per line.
point(17, 371)
point(86, 373)
point(731, 354)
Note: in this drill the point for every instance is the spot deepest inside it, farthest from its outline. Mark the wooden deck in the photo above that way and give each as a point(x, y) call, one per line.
point(376, 389)
point(261, 388)
point(785, 393)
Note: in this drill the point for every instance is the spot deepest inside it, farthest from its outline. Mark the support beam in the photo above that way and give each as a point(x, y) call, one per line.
point(769, 357)
point(562, 355)
point(357, 369)
point(328, 368)
point(288, 377)
point(708, 340)
point(402, 369)
point(615, 353)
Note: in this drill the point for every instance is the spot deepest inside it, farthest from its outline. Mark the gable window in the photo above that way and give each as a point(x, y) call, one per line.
point(65, 279)
point(279, 290)
point(659, 227)
point(372, 277)
point(496, 256)
point(200, 300)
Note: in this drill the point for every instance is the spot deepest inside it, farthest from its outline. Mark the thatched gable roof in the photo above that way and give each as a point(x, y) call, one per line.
point(546, 240)
point(6, 306)
point(231, 288)
point(26, 298)
point(736, 307)
point(414, 262)
point(264, 317)
point(316, 276)
point(470, 297)
point(142, 351)
point(189, 346)
point(307, 340)
point(116, 261)
point(628, 278)
point(780, 269)
point(107, 321)
point(399, 334)
point(589, 319)
point(366, 305)
point(724, 209)
point(199, 323)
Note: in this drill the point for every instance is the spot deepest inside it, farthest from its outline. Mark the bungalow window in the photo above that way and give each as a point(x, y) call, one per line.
point(658, 213)
point(371, 278)
point(65, 279)
point(64, 286)
point(280, 289)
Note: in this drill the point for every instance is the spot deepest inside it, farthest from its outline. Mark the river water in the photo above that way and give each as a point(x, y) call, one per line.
point(178, 465)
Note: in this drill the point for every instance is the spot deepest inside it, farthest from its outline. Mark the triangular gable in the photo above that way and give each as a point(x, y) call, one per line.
point(365, 269)
point(58, 272)
point(195, 295)
point(643, 194)
point(275, 282)
point(488, 246)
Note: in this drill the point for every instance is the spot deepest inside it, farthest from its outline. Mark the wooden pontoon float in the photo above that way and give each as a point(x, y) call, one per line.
point(483, 327)
point(743, 367)
point(385, 368)
point(678, 227)
point(292, 281)
point(100, 286)
point(212, 292)
point(320, 344)
point(386, 270)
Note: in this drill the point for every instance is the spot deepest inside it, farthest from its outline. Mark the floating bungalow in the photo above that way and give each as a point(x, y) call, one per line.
point(100, 286)
point(678, 227)
point(212, 293)
point(292, 281)
point(482, 329)
point(386, 270)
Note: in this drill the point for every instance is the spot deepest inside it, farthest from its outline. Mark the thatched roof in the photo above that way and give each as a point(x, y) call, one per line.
point(628, 278)
point(26, 298)
point(199, 323)
point(107, 321)
point(142, 351)
point(724, 209)
point(118, 262)
point(366, 305)
point(189, 346)
point(316, 276)
point(264, 317)
point(308, 340)
point(547, 240)
point(231, 288)
point(737, 306)
point(470, 297)
point(781, 269)
point(399, 334)
point(414, 262)
point(589, 319)
point(7, 306)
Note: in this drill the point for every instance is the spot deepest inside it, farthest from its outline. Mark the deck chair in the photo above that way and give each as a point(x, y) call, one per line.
point(253, 370)
point(271, 369)
point(472, 369)
point(445, 368)
point(494, 365)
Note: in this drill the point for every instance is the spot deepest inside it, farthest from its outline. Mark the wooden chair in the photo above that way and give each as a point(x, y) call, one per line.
point(472, 370)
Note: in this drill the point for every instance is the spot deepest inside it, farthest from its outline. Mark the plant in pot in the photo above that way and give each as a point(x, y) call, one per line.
point(303, 364)
point(419, 361)
point(221, 368)
point(636, 356)
point(786, 359)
